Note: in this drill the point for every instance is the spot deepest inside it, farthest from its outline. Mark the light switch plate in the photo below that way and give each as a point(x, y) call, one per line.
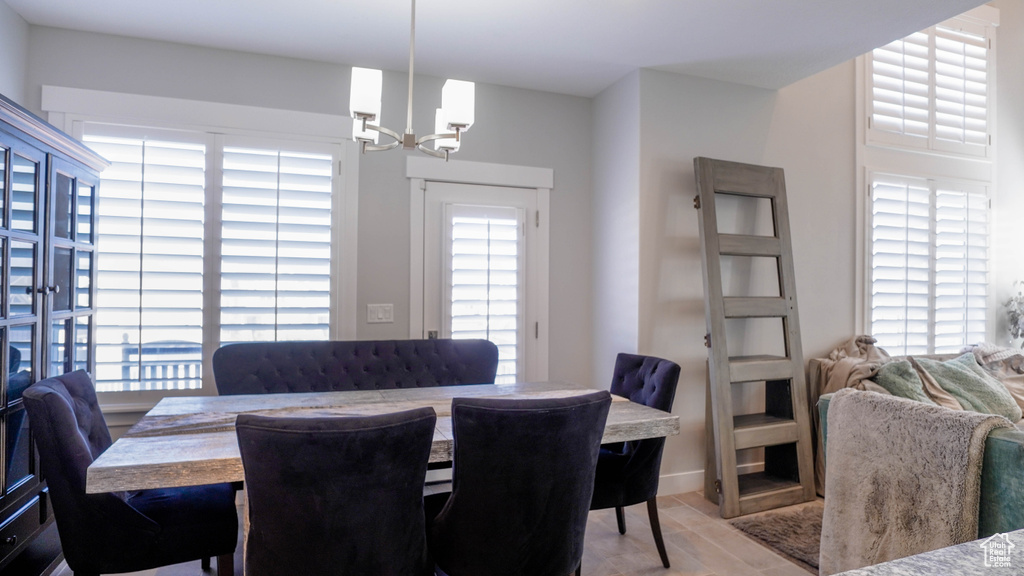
point(380, 313)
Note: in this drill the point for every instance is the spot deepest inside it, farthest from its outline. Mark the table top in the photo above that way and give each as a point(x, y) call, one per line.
point(187, 441)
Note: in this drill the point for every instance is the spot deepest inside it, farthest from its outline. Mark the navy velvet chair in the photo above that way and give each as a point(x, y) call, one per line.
point(118, 532)
point(338, 365)
point(627, 473)
point(336, 495)
point(522, 485)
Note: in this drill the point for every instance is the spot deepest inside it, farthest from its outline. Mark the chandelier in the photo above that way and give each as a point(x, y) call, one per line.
point(454, 117)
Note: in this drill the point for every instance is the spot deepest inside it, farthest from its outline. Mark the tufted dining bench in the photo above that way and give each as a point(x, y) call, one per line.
point(341, 365)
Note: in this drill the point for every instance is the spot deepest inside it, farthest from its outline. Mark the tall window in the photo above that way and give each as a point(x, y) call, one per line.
point(274, 251)
point(929, 98)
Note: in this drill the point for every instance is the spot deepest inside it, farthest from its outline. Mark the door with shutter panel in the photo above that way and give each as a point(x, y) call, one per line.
point(476, 282)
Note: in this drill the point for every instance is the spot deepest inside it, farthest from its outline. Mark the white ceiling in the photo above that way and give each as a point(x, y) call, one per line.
point(574, 47)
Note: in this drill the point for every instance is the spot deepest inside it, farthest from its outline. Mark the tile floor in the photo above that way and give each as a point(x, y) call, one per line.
point(698, 541)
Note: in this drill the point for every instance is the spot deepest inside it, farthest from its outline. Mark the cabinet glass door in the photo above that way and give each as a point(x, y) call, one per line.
point(70, 269)
point(22, 175)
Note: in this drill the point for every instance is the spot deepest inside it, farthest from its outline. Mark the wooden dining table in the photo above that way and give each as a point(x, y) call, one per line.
point(186, 441)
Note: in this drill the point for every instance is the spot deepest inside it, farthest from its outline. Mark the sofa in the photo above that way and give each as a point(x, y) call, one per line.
point(342, 365)
point(1001, 507)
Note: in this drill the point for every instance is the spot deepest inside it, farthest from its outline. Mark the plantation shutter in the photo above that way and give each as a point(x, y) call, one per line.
point(150, 265)
point(900, 87)
point(930, 89)
point(485, 279)
point(961, 86)
point(276, 245)
point(900, 264)
point(961, 267)
point(929, 265)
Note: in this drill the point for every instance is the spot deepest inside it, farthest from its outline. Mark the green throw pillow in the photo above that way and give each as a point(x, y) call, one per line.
point(900, 379)
point(974, 388)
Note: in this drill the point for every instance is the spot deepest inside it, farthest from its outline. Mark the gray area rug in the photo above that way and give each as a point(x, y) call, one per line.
point(794, 531)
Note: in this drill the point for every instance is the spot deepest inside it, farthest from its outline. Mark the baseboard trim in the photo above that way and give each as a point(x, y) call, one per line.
point(694, 481)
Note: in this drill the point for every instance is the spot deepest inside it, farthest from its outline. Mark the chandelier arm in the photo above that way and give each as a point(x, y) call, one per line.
point(431, 137)
point(435, 153)
point(368, 147)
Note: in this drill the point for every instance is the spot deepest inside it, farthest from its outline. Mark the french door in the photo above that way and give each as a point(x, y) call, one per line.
point(480, 247)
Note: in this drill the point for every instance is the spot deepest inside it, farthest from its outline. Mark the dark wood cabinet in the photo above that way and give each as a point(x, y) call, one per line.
point(48, 184)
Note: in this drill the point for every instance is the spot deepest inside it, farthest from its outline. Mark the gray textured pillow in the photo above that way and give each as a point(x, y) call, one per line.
point(973, 388)
point(900, 379)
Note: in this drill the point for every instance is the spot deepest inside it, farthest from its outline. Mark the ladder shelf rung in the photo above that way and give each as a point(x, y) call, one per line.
point(758, 430)
point(760, 307)
point(746, 180)
point(757, 368)
point(745, 245)
point(767, 494)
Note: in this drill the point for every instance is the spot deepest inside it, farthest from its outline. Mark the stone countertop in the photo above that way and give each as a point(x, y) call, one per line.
point(1005, 558)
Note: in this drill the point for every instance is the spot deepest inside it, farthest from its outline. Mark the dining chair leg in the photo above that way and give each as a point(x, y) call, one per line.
point(226, 565)
point(579, 569)
point(652, 512)
point(204, 564)
point(620, 519)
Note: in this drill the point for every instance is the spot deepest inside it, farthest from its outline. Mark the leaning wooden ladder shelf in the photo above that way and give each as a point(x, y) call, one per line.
point(783, 430)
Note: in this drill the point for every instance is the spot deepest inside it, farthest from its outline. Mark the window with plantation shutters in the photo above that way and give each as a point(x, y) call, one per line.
point(484, 279)
point(926, 162)
point(931, 90)
point(271, 237)
point(276, 245)
point(929, 264)
point(149, 309)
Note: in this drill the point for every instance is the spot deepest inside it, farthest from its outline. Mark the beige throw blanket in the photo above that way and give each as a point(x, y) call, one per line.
point(902, 478)
point(848, 366)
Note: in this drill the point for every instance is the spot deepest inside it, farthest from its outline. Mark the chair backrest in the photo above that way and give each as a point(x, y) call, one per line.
point(70, 432)
point(522, 484)
point(646, 380)
point(652, 382)
point(324, 366)
point(336, 495)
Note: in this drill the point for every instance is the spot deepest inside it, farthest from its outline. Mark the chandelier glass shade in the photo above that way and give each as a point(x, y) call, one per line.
point(455, 116)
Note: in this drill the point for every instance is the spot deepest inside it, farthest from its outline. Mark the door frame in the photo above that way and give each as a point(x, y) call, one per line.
point(419, 171)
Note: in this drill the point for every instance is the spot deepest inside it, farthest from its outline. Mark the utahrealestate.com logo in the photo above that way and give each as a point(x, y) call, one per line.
point(997, 549)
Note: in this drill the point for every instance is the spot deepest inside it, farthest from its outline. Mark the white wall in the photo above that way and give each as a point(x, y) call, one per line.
point(514, 126)
point(1008, 204)
point(616, 223)
point(807, 129)
point(14, 33)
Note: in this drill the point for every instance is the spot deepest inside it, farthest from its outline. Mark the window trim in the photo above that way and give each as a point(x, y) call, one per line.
point(872, 156)
point(70, 108)
point(421, 170)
